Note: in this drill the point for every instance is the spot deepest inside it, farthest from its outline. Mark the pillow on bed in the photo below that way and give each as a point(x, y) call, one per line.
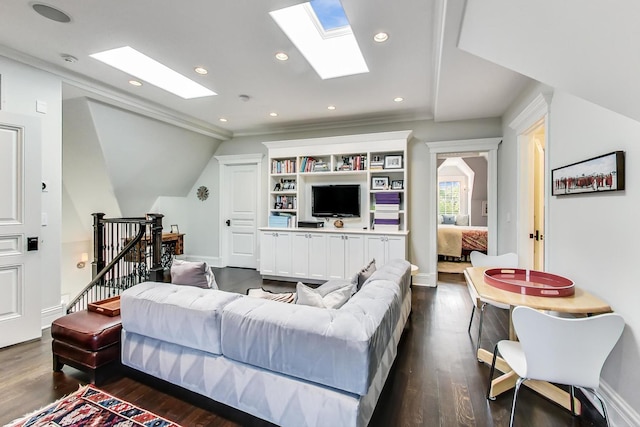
point(192, 274)
point(462, 219)
point(448, 219)
point(440, 219)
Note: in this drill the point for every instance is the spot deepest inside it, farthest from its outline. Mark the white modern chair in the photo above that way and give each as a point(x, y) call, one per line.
point(560, 350)
point(479, 259)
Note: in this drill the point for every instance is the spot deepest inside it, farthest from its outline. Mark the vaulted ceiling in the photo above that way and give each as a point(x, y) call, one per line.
point(237, 41)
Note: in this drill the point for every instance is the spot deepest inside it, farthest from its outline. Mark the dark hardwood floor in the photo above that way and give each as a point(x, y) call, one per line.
point(435, 380)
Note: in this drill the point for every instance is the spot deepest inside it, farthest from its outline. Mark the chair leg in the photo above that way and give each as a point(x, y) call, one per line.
point(573, 398)
point(482, 307)
point(473, 310)
point(515, 397)
point(604, 407)
point(493, 368)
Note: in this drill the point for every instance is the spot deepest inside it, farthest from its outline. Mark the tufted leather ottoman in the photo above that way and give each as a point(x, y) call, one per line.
point(87, 341)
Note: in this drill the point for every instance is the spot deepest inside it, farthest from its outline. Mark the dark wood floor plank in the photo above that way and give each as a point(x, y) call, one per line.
point(435, 380)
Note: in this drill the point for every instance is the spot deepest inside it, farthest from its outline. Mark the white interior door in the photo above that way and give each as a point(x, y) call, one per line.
point(240, 214)
point(20, 187)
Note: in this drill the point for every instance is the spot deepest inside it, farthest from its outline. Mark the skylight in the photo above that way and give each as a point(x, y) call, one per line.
point(330, 14)
point(132, 62)
point(324, 38)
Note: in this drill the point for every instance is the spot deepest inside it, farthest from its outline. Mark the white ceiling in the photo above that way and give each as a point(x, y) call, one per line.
point(237, 40)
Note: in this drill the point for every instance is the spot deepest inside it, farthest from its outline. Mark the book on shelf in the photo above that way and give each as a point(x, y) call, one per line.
point(391, 214)
point(282, 220)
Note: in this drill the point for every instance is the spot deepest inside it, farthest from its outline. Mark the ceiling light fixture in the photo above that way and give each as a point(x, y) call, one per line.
point(68, 58)
point(132, 62)
point(51, 12)
point(223, 120)
point(381, 37)
point(273, 114)
point(135, 83)
point(331, 107)
point(201, 70)
point(398, 99)
point(281, 56)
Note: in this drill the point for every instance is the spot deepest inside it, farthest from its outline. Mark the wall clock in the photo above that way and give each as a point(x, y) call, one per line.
point(203, 193)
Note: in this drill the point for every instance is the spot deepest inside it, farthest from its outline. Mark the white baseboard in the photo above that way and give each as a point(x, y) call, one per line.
point(49, 314)
point(621, 414)
point(212, 261)
point(425, 279)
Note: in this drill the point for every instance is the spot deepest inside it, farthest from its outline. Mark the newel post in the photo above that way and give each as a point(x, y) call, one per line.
point(156, 273)
point(98, 244)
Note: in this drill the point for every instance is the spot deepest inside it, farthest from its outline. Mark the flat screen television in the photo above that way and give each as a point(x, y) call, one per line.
point(340, 201)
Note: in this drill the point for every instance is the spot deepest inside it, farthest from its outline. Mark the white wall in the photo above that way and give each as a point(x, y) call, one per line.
point(418, 155)
point(590, 238)
point(22, 86)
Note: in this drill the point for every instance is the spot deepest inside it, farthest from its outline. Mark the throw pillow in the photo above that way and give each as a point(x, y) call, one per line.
point(314, 297)
point(448, 219)
point(462, 219)
point(365, 273)
point(192, 273)
point(440, 219)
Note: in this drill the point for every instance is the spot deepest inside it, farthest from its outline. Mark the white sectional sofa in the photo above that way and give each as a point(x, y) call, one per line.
point(290, 364)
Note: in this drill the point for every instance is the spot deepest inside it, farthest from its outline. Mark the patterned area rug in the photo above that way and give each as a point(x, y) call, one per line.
point(91, 407)
point(288, 297)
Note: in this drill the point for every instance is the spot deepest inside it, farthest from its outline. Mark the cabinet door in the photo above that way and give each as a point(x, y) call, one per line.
point(282, 252)
point(375, 248)
point(335, 256)
point(267, 253)
point(300, 254)
point(396, 247)
point(317, 256)
point(354, 247)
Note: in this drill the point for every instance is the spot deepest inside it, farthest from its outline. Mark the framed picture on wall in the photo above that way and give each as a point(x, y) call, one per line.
point(595, 175)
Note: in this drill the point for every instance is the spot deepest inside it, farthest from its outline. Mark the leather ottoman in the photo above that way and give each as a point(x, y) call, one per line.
point(88, 341)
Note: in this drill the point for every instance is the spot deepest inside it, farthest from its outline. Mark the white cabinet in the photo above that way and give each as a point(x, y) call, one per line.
point(345, 255)
point(385, 247)
point(275, 253)
point(308, 254)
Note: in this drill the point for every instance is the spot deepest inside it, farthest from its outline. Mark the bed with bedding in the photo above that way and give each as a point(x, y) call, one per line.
point(456, 238)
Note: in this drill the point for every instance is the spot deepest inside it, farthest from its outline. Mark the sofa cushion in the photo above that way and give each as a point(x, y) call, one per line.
point(192, 273)
point(184, 315)
point(337, 348)
point(361, 276)
point(328, 295)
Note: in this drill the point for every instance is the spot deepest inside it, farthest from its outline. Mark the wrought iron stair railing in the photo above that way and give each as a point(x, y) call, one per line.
point(126, 251)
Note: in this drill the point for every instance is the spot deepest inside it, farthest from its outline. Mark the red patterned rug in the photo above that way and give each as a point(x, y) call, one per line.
point(91, 407)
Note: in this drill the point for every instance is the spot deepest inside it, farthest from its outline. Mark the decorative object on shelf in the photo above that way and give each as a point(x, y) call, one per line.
point(602, 173)
point(338, 223)
point(320, 166)
point(174, 229)
point(202, 193)
point(380, 183)
point(277, 187)
point(397, 184)
point(393, 162)
point(376, 163)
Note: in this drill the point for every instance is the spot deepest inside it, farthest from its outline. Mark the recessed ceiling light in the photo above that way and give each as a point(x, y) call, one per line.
point(223, 120)
point(134, 63)
point(398, 99)
point(68, 58)
point(135, 83)
point(331, 107)
point(381, 37)
point(273, 114)
point(200, 70)
point(281, 56)
point(51, 12)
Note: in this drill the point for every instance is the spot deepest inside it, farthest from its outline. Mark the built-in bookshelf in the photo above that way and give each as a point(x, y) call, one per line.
point(376, 162)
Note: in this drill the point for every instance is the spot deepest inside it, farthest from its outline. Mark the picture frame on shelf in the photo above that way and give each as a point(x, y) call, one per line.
point(174, 229)
point(397, 184)
point(393, 162)
point(380, 183)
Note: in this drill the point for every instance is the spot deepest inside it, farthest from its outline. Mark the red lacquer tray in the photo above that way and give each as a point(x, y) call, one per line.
point(529, 282)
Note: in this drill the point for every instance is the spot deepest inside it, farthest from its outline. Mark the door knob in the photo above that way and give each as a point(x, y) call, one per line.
point(228, 223)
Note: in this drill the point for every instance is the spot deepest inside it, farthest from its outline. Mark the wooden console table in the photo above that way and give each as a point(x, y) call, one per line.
point(172, 244)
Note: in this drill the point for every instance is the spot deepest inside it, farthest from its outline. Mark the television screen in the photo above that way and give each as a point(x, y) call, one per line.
point(335, 201)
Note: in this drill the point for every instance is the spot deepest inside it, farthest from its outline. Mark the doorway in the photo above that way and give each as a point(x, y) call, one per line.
point(240, 202)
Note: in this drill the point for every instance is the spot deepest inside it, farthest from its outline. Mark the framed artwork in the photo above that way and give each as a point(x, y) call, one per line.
point(380, 183)
point(393, 162)
point(397, 184)
point(174, 229)
point(595, 175)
